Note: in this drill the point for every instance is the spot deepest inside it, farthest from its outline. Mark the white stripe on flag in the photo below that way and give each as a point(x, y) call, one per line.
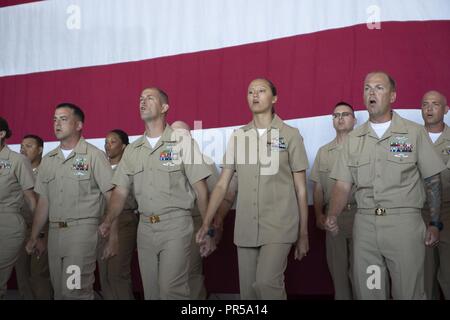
point(64, 34)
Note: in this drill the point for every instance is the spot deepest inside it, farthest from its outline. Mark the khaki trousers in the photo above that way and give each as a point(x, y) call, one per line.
point(12, 236)
point(261, 271)
point(196, 278)
point(72, 253)
point(339, 250)
point(164, 252)
point(115, 272)
point(394, 245)
point(437, 259)
point(33, 274)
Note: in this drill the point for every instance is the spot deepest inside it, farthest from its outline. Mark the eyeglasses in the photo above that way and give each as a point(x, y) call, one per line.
point(341, 115)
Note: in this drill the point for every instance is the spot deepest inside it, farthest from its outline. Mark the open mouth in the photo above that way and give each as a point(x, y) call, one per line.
point(372, 102)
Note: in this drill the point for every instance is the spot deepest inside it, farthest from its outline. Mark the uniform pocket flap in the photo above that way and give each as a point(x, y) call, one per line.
point(358, 161)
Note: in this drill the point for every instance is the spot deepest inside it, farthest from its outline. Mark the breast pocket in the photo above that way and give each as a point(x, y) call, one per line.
point(361, 170)
point(401, 170)
point(324, 167)
point(5, 172)
point(80, 183)
point(49, 182)
point(137, 175)
point(169, 177)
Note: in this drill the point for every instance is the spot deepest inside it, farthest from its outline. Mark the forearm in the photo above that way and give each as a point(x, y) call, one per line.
point(339, 196)
point(222, 212)
point(318, 200)
point(215, 202)
point(114, 233)
point(303, 212)
point(433, 191)
point(201, 191)
point(302, 201)
point(40, 217)
point(116, 203)
point(30, 198)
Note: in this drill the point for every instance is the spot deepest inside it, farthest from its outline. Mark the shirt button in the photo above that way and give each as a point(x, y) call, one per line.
point(254, 218)
point(254, 189)
point(254, 203)
point(378, 176)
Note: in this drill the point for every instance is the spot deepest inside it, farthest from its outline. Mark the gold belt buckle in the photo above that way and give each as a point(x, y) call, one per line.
point(380, 211)
point(62, 224)
point(153, 219)
point(349, 207)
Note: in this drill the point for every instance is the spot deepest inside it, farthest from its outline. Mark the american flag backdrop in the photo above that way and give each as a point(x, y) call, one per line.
point(100, 54)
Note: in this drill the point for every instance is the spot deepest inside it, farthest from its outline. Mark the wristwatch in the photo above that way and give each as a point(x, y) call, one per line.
point(211, 232)
point(437, 224)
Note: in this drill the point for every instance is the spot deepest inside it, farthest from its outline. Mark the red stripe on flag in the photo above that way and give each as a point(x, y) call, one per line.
point(7, 3)
point(312, 72)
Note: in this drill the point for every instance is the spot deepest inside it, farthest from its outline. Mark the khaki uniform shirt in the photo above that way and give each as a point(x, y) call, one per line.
point(16, 176)
point(267, 209)
point(388, 172)
point(320, 172)
point(162, 178)
point(74, 186)
point(442, 147)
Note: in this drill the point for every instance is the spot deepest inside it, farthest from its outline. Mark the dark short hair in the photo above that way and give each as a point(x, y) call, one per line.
point(123, 136)
point(36, 138)
point(5, 127)
point(343, 103)
point(76, 109)
point(272, 87)
point(163, 96)
point(392, 82)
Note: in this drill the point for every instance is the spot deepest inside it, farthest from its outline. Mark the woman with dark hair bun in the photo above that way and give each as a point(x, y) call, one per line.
point(270, 161)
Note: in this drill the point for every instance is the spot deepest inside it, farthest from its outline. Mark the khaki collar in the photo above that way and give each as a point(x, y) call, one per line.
point(398, 126)
point(276, 123)
point(165, 137)
point(445, 136)
point(332, 145)
point(4, 154)
point(80, 148)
